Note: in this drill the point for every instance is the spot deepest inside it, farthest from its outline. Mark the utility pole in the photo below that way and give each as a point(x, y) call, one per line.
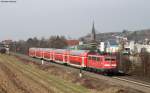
point(80, 73)
point(42, 61)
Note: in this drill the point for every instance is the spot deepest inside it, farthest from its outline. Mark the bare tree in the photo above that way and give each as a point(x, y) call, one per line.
point(57, 42)
point(145, 62)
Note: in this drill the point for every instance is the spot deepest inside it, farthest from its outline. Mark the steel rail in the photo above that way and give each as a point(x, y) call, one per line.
point(132, 81)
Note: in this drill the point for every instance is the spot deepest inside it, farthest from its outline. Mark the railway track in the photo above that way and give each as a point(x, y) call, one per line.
point(122, 81)
point(141, 83)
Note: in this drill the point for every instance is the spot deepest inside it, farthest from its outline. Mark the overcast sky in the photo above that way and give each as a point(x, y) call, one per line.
point(72, 18)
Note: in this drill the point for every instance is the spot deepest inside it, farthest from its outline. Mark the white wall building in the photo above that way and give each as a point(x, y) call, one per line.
point(110, 46)
point(137, 47)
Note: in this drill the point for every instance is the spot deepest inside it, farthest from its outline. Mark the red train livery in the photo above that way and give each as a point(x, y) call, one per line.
point(78, 58)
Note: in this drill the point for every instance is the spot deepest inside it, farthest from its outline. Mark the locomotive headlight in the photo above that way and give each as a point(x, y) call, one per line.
point(107, 65)
point(114, 65)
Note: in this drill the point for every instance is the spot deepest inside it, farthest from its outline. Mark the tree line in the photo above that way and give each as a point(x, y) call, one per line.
point(125, 64)
point(22, 46)
point(139, 66)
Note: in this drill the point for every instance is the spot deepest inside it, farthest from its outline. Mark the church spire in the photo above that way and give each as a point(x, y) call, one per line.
point(93, 34)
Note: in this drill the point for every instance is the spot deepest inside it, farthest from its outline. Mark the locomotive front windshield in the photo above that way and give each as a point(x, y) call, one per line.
point(110, 58)
point(94, 58)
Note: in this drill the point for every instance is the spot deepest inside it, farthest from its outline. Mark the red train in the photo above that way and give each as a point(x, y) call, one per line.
point(77, 58)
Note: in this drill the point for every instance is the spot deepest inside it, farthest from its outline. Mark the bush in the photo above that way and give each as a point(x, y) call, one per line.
point(3, 51)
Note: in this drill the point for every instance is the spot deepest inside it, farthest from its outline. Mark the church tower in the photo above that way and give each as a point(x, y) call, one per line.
point(93, 34)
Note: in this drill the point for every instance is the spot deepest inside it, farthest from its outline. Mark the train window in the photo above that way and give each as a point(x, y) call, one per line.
point(113, 59)
point(107, 59)
point(110, 59)
point(94, 58)
point(101, 59)
point(66, 57)
point(89, 58)
point(98, 59)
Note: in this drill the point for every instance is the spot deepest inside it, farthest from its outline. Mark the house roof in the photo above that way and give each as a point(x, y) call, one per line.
point(72, 42)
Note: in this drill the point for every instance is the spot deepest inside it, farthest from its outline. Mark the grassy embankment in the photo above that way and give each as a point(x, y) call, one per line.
point(24, 78)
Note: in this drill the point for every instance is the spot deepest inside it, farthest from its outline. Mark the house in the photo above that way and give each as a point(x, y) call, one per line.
point(109, 46)
point(72, 42)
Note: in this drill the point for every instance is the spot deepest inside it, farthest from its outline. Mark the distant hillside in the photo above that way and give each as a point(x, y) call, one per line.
point(139, 35)
point(131, 35)
point(101, 36)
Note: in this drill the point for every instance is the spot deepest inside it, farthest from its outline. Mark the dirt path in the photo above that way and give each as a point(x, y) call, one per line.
point(16, 77)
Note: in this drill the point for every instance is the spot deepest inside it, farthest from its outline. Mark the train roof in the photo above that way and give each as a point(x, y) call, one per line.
point(45, 49)
point(60, 50)
point(79, 52)
point(98, 55)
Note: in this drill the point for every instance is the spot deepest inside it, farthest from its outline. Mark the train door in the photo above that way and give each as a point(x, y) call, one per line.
point(50, 55)
point(65, 58)
point(83, 62)
point(110, 62)
point(94, 61)
point(91, 61)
